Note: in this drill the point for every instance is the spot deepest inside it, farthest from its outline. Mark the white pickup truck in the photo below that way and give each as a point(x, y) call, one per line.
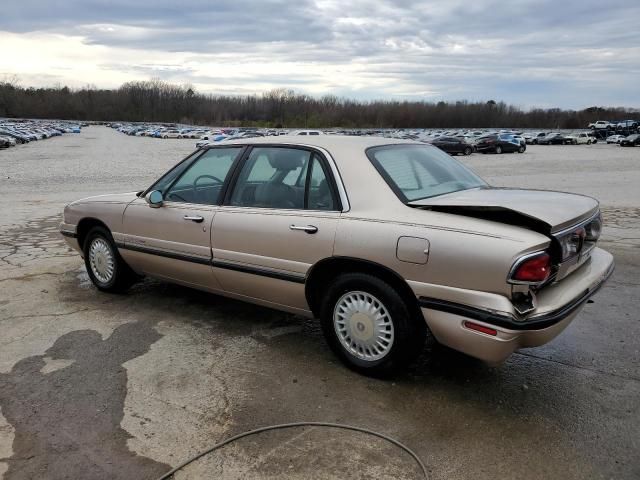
point(580, 137)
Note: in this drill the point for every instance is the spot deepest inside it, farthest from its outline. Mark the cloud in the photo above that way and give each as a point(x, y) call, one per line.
point(569, 54)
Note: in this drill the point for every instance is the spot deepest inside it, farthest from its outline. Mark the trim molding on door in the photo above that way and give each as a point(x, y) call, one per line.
point(165, 253)
point(265, 272)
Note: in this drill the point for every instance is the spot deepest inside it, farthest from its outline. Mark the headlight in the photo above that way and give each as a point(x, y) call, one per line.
point(593, 229)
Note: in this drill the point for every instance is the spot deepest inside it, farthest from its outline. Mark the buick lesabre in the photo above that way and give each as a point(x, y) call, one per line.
point(384, 241)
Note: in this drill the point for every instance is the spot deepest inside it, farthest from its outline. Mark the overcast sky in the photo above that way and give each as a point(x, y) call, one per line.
point(530, 53)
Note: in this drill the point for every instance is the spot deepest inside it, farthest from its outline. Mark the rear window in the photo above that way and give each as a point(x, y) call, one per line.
point(415, 172)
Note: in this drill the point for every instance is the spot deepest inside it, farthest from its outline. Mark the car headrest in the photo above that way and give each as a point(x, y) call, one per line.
point(286, 159)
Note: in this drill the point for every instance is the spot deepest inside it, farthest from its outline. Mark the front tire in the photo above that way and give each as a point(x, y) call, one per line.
point(467, 151)
point(106, 268)
point(521, 149)
point(498, 149)
point(369, 326)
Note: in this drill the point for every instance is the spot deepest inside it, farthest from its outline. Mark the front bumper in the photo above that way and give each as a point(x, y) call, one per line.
point(558, 305)
point(69, 232)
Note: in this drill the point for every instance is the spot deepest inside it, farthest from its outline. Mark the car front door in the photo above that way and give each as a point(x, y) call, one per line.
point(278, 219)
point(173, 241)
point(456, 145)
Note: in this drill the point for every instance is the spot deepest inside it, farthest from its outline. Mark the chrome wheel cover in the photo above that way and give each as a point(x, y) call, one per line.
point(363, 326)
point(101, 260)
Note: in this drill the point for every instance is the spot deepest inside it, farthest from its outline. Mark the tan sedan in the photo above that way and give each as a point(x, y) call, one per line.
point(385, 241)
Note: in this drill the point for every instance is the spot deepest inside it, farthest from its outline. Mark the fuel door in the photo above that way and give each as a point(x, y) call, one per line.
point(413, 250)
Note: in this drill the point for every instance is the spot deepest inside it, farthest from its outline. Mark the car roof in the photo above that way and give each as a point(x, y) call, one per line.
point(328, 142)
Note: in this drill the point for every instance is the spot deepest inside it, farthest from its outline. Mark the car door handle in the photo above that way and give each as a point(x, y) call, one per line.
point(306, 228)
point(194, 218)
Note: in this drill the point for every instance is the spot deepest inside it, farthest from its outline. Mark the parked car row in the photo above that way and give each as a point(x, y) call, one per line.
point(454, 142)
point(189, 131)
point(16, 132)
point(559, 138)
point(158, 131)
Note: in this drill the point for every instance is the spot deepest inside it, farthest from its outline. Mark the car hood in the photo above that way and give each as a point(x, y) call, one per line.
point(544, 211)
point(111, 198)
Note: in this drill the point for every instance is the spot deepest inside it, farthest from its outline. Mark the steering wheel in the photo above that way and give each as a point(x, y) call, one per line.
point(173, 194)
point(195, 182)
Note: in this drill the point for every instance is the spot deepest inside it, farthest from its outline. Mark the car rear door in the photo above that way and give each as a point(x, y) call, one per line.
point(278, 219)
point(173, 241)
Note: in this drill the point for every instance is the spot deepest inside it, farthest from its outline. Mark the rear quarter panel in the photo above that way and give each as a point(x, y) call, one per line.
point(457, 257)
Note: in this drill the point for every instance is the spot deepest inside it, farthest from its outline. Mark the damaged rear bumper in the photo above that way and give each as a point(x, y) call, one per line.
point(501, 333)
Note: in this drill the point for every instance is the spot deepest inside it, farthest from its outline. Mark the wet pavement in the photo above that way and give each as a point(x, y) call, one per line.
point(125, 386)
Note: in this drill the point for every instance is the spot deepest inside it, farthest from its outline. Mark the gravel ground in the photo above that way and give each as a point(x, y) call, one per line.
point(101, 386)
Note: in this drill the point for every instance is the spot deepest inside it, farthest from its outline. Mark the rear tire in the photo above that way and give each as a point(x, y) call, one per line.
point(467, 151)
point(369, 326)
point(498, 149)
point(106, 268)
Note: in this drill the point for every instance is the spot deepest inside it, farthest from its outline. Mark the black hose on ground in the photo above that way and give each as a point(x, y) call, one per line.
point(294, 425)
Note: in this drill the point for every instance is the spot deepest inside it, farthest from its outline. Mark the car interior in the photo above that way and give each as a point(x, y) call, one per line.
point(202, 182)
point(276, 178)
point(270, 178)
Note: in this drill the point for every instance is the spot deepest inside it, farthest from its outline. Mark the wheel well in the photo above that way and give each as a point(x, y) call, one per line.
point(323, 272)
point(84, 226)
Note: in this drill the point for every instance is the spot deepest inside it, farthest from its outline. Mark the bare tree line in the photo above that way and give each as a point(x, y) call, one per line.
point(158, 101)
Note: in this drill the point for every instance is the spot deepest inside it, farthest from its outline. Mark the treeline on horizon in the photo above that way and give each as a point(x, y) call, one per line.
point(158, 101)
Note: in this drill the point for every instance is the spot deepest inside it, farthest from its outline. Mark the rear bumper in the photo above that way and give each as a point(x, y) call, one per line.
point(558, 305)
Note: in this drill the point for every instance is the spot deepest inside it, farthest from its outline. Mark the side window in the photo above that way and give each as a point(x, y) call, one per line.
point(174, 173)
point(272, 177)
point(320, 196)
point(202, 182)
point(275, 177)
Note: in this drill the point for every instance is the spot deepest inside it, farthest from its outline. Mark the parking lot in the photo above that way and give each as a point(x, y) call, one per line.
point(125, 387)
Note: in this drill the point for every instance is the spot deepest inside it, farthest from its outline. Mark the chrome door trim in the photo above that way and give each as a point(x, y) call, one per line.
point(237, 267)
point(164, 253)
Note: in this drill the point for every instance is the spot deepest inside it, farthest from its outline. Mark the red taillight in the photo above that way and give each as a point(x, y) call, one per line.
point(535, 269)
point(480, 328)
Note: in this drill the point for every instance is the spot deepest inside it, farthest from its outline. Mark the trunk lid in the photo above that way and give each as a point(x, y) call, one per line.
point(544, 211)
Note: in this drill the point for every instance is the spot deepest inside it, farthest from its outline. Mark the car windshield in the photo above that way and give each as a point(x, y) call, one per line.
point(415, 172)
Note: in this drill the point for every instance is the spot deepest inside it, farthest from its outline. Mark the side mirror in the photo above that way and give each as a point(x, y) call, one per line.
point(154, 198)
